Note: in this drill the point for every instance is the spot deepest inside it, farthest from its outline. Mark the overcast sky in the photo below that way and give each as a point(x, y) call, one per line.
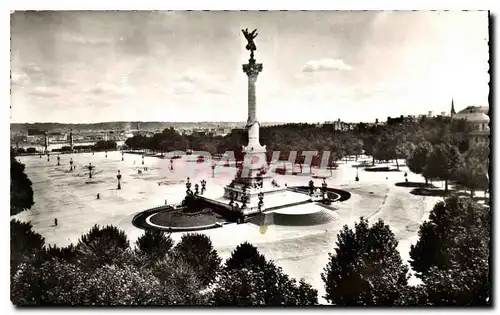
point(186, 66)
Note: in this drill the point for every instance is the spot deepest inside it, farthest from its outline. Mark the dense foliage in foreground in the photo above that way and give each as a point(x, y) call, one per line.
point(451, 257)
point(102, 269)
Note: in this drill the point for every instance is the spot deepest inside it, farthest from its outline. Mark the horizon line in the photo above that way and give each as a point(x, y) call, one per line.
point(185, 122)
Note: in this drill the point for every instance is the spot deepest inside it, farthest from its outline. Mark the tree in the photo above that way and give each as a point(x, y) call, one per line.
point(366, 268)
point(21, 192)
point(307, 295)
point(457, 232)
point(267, 286)
point(60, 283)
point(369, 143)
point(481, 152)
point(357, 147)
point(24, 243)
point(383, 149)
point(413, 296)
point(138, 142)
point(64, 254)
point(417, 160)
point(473, 175)
point(238, 287)
point(249, 279)
point(245, 256)
point(104, 245)
point(452, 253)
point(48, 283)
point(154, 244)
point(443, 163)
point(127, 285)
point(197, 250)
point(403, 150)
point(457, 286)
point(104, 145)
point(179, 281)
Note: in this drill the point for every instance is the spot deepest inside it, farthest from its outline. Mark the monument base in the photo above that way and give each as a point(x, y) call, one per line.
point(240, 187)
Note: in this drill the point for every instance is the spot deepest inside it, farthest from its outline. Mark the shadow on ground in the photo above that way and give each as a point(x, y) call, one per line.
point(400, 164)
point(414, 185)
point(381, 169)
point(431, 192)
point(369, 164)
point(344, 195)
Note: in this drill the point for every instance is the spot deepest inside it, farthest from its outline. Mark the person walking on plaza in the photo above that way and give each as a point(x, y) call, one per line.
point(55, 222)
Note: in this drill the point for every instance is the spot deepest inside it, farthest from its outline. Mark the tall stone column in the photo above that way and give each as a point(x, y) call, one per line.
point(46, 141)
point(252, 108)
point(252, 69)
point(71, 140)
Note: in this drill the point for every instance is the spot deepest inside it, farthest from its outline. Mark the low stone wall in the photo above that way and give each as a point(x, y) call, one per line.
point(141, 219)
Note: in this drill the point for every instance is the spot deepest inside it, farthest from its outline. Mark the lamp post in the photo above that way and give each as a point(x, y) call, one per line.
point(324, 188)
point(203, 186)
point(119, 177)
point(90, 167)
point(188, 187)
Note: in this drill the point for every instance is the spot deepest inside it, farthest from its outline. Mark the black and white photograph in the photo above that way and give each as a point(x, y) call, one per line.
point(250, 158)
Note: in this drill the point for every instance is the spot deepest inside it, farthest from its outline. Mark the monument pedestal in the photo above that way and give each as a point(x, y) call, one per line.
point(240, 187)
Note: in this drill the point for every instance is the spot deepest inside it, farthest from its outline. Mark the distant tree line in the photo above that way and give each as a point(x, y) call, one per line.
point(384, 142)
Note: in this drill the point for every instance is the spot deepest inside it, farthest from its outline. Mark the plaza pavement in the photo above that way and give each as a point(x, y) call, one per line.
point(302, 251)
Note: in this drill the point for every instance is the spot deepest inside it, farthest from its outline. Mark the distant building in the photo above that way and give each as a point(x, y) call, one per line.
point(452, 111)
point(340, 125)
point(35, 132)
point(479, 120)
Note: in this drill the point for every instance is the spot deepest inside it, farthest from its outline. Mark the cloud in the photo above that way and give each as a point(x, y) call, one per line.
point(19, 79)
point(110, 89)
point(184, 88)
point(44, 91)
point(325, 65)
point(31, 69)
point(80, 39)
point(216, 90)
point(198, 77)
point(199, 82)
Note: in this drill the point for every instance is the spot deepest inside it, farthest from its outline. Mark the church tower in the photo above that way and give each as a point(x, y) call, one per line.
point(452, 112)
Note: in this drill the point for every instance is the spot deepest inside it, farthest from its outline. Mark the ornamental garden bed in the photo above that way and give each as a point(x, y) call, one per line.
point(179, 218)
